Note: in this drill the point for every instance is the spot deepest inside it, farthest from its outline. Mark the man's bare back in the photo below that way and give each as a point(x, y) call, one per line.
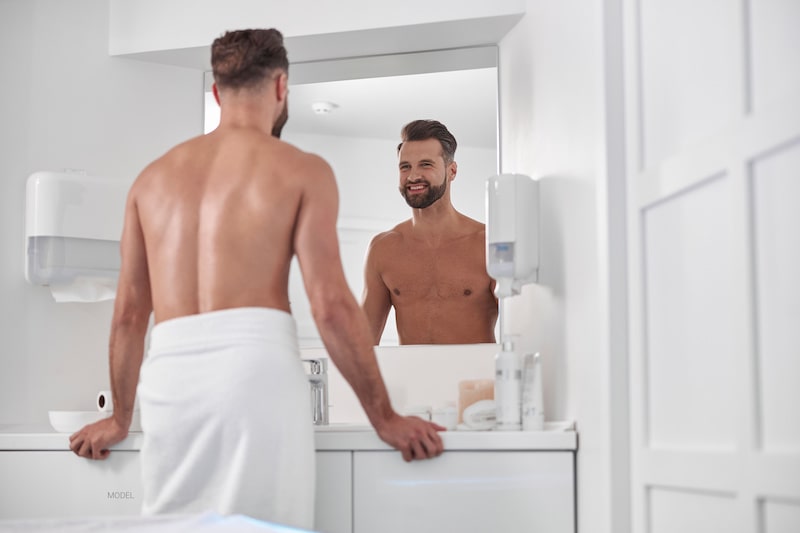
point(195, 204)
point(431, 286)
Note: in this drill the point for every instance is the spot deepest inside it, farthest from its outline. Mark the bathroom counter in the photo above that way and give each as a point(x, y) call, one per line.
point(362, 484)
point(17, 437)
point(556, 436)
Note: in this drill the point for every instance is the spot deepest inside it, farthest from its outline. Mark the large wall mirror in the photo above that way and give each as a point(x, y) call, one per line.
point(370, 100)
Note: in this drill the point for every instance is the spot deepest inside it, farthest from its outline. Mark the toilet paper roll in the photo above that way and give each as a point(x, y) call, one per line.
point(105, 404)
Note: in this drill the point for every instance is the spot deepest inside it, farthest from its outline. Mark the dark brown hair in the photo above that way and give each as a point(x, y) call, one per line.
point(245, 58)
point(422, 130)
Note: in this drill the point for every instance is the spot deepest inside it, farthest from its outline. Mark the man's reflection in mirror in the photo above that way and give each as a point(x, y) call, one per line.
point(431, 267)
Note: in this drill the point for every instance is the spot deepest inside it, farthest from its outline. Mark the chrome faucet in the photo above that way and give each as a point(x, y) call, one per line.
point(318, 384)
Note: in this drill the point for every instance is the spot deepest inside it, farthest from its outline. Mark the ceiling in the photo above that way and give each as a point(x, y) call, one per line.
point(464, 100)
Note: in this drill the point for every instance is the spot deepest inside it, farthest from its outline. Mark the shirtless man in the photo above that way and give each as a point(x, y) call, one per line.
point(432, 267)
point(210, 230)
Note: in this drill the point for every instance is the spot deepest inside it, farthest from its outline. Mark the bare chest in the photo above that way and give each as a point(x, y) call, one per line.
point(447, 274)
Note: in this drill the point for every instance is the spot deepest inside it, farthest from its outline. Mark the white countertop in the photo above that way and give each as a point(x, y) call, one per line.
point(335, 437)
point(556, 436)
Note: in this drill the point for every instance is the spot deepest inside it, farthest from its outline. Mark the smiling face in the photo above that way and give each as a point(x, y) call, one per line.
point(423, 172)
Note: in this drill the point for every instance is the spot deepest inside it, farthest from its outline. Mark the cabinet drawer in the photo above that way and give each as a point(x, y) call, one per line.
point(59, 484)
point(333, 506)
point(465, 492)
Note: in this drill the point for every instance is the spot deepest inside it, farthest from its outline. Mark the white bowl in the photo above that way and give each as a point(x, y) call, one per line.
point(72, 421)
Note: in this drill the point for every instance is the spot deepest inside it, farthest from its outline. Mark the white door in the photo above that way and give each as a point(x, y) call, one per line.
point(713, 147)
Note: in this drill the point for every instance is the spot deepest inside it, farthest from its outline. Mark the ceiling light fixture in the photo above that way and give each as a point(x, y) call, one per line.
point(323, 108)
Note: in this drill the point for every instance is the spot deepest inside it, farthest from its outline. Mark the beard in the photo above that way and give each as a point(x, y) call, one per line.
point(421, 201)
point(281, 121)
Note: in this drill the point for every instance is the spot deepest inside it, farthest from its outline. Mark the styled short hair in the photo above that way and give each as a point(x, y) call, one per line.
point(422, 130)
point(245, 58)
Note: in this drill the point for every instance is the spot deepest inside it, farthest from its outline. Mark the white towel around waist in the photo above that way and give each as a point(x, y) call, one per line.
point(225, 413)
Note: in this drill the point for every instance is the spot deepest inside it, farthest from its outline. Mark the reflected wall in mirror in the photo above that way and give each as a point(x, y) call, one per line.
point(372, 99)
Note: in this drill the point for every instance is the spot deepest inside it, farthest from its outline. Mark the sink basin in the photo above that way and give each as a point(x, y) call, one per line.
point(344, 426)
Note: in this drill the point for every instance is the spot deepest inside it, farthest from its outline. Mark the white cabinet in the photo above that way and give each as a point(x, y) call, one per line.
point(464, 491)
point(57, 484)
point(506, 482)
point(333, 510)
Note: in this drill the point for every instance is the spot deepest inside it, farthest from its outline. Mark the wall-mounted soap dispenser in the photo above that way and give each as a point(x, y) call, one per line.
point(512, 259)
point(512, 232)
point(73, 223)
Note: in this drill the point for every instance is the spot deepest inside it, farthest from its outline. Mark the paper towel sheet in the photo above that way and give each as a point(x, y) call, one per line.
point(84, 289)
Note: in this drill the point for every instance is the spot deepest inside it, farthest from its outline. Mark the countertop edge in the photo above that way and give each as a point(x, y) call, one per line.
point(22, 438)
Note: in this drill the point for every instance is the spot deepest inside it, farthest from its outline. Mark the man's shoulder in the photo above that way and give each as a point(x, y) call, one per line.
point(390, 238)
point(472, 224)
point(469, 229)
point(168, 161)
point(298, 159)
point(396, 232)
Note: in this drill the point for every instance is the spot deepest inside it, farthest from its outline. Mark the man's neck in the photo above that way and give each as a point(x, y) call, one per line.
point(436, 222)
point(247, 114)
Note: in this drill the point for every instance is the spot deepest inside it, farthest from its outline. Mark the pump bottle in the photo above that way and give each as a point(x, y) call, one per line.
point(532, 396)
point(508, 389)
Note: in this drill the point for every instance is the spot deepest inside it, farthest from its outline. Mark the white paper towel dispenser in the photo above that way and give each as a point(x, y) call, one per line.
point(73, 223)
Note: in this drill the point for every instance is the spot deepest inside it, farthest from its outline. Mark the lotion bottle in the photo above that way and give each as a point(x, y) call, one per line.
point(508, 389)
point(532, 394)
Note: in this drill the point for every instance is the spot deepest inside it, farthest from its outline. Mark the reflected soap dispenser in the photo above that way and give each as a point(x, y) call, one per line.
point(508, 388)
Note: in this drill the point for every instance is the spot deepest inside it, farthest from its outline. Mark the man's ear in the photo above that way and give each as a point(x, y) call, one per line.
point(282, 86)
point(216, 92)
point(453, 170)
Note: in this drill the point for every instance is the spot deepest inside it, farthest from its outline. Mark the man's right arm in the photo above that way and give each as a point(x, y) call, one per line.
point(375, 300)
point(132, 308)
point(341, 322)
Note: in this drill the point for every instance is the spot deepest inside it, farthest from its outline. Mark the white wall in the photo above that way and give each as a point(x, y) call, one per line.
point(553, 129)
point(67, 104)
